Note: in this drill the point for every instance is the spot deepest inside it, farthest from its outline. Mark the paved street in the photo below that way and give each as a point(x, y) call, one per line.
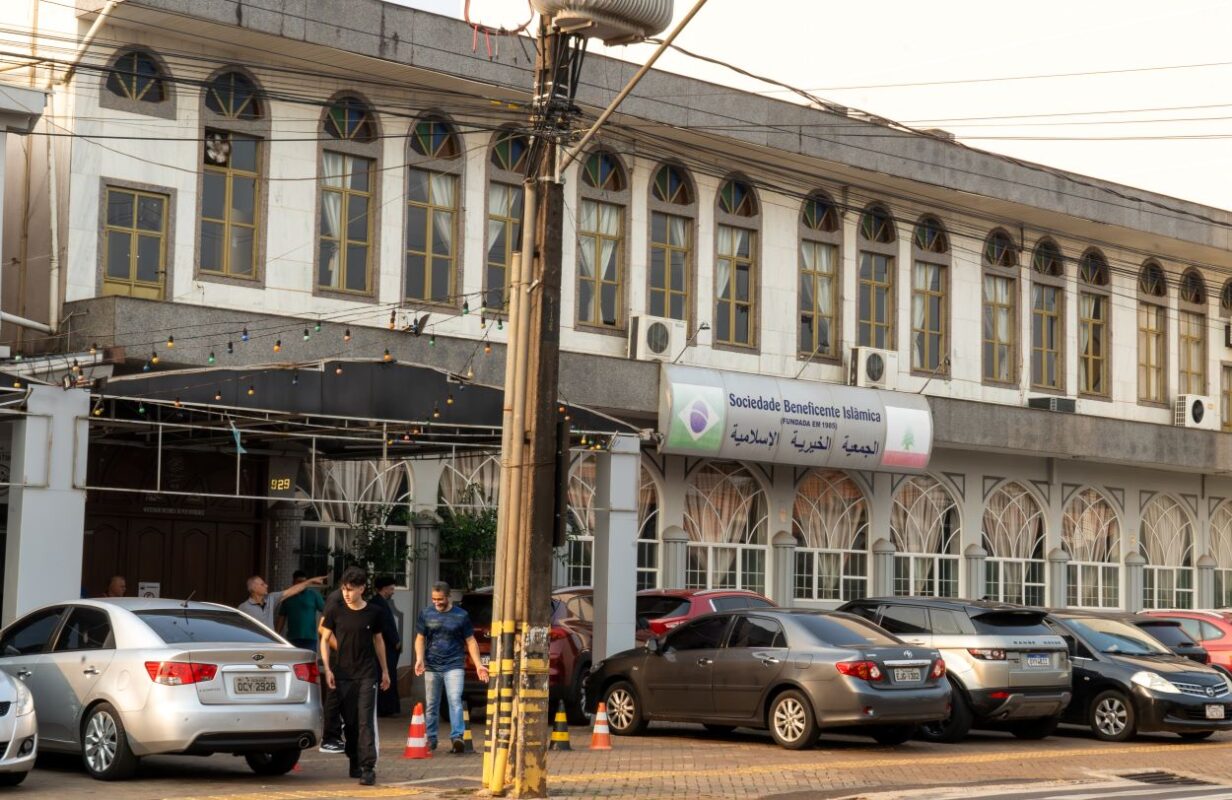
point(687, 762)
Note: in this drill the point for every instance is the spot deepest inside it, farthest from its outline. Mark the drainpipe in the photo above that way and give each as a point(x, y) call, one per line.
point(53, 313)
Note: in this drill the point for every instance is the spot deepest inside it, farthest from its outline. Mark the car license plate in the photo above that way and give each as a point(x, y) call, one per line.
point(906, 675)
point(1214, 712)
point(258, 684)
point(485, 660)
point(1038, 660)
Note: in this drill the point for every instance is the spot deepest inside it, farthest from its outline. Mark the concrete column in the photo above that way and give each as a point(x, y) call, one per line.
point(782, 590)
point(975, 560)
point(425, 559)
point(46, 525)
point(617, 474)
point(286, 518)
point(673, 558)
point(1206, 583)
point(1132, 582)
point(883, 568)
point(1058, 578)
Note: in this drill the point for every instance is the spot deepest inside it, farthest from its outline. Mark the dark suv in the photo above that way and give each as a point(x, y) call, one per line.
point(1009, 670)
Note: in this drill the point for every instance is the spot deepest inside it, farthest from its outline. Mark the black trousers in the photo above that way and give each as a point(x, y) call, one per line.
point(333, 714)
point(387, 704)
point(358, 702)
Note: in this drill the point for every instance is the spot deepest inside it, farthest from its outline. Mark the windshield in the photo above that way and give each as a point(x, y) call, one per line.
point(1169, 633)
point(1011, 623)
point(656, 606)
point(843, 631)
point(1116, 637)
point(197, 625)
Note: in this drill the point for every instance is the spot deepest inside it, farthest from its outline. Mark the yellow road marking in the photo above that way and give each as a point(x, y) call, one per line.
point(853, 764)
point(312, 794)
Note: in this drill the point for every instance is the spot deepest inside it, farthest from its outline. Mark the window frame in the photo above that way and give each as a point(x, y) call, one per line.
point(106, 185)
point(819, 237)
point(1057, 283)
point(162, 109)
point(455, 167)
point(688, 212)
point(888, 250)
point(621, 199)
point(1157, 304)
point(1188, 311)
point(1225, 396)
point(752, 225)
point(1103, 293)
point(1001, 274)
point(517, 182)
point(941, 259)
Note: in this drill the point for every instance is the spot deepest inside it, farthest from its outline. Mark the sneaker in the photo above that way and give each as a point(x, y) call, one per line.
point(368, 778)
point(458, 747)
point(332, 747)
point(432, 744)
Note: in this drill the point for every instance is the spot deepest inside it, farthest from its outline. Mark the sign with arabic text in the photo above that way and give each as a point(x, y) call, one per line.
point(730, 415)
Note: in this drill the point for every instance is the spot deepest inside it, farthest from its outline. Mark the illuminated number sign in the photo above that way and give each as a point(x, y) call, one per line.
point(282, 473)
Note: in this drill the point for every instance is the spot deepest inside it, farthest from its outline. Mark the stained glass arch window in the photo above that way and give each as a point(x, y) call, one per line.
point(233, 95)
point(136, 75)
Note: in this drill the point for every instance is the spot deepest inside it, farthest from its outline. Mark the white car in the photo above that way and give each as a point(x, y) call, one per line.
point(18, 731)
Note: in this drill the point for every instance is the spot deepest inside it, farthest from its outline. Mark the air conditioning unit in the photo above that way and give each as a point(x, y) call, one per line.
point(872, 368)
point(1063, 404)
point(656, 338)
point(1195, 411)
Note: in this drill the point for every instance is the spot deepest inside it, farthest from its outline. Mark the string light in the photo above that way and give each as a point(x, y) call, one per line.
point(487, 348)
point(449, 399)
point(211, 359)
point(466, 307)
point(145, 367)
point(500, 326)
point(98, 408)
point(141, 408)
point(338, 370)
point(94, 348)
point(307, 335)
point(154, 357)
point(483, 322)
point(177, 403)
point(470, 372)
point(278, 346)
point(393, 320)
point(217, 395)
point(560, 408)
point(432, 340)
point(76, 368)
point(16, 384)
point(317, 327)
point(387, 357)
point(251, 390)
point(294, 377)
point(230, 348)
point(583, 440)
point(406, 437)
point(244, 334)
point(346, 337)
point(17, 357)
point(170, 342)
point(436, 411)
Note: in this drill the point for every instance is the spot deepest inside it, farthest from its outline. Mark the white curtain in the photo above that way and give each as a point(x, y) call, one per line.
point(442, 195)
point(1090, 530)
point(724, 505)
point(1167, 534)
point(1221, 536)
point(830, 512)
point(345, 484)
point(723, 266)
point(922, 511)
point(1013, 524)
point(470, 482)
point(919, 345)
point(332, 173)
point(997, 323)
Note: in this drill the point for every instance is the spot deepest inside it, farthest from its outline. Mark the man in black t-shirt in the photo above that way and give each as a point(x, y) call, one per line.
point(352, 671)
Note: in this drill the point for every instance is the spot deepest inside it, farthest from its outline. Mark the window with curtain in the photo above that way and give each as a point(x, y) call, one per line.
point(230, 222)
point(1047, 317)
point(830, 524)
point(725, 519)
point(1093, 305)
point(672, 208)
point(1014, 540)
point(469, 483)
point(135, 247)
point(999, 327)
point(1091, 537)
point(875, 280)
point(346, 224)
point(648, 576)
point(1166, 542)
point(600, 277)
point(432, 213)
point(507, 167)
point(1152, 344)
point(1191, 335)
point(736, 274)
point(1225, 299)
point(1221, 551)
point(924, 525)
point(819, 279)
point(928, 316)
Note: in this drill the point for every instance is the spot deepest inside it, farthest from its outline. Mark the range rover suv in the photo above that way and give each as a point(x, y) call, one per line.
point(1008, 669)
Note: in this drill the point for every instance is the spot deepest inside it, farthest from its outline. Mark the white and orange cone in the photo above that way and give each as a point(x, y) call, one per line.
point(601, 738)
point(417, 736)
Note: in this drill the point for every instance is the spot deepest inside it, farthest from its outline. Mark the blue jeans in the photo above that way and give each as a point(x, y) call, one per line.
point(451, 681)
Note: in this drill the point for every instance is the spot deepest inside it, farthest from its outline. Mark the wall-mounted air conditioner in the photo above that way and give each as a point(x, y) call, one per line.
point(1065, 405)
point(1195, 411)
point(872, 368)
point(656, 338)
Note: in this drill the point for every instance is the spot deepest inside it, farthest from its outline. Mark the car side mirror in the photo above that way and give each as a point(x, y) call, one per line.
point(653, 646)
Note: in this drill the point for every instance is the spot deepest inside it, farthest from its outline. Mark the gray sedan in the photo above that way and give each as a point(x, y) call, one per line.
point(792, 671)
point(118, 679)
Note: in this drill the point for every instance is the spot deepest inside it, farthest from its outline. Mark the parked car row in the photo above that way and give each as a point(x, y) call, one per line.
point(901, 666)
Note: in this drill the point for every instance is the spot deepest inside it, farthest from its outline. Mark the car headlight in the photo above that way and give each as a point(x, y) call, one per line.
point(25, 700)
point(1154, 682)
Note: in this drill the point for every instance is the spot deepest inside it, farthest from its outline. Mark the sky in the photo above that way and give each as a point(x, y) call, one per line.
point(1162, 121)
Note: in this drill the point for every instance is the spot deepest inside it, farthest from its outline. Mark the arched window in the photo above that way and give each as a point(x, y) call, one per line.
point(648, 504)
point(136, 76)
point(1094, 303)
point(736, 273)
point(875, 282)
point(925, 527)
point(1091, 536)
point(432, 203)
point(1221, 551)
point(348, 191)
point(1014, 539)
point(830, 525)
point(1047, 317)
point(999, 250)
point(1191, 334)
point(506, 169)
point(577, 558)
point(1000, 319)
point(819, 278)
point(725, 519)
point(601, 233)
point(1225, 298)
point(469, 485)
point(1166, 542)
point(930, 285)
point(673, 210)
point(235, 128)
point(1152, 333)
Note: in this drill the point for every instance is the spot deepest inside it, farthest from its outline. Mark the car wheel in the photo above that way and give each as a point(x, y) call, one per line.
point(1196, 736)
point(792, 723)
point(279, 762)
point(575, 703)
point(624, 710)
point(1112, 717)
point(104, 745)
point(955, 727)
point(893, 734)
point(1035, 728)
point(12, 778)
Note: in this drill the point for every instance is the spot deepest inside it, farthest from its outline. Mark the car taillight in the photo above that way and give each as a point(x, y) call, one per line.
point(671, 623)
point(938, 670)
point(308, 671)
point(179, 673)
point(864, 670)
point(986, 654)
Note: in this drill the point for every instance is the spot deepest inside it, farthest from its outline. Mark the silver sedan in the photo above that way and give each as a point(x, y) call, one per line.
point(119, 679)
point(18, 731)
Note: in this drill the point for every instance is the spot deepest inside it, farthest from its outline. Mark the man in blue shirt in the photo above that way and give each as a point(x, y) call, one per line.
point(443, 637)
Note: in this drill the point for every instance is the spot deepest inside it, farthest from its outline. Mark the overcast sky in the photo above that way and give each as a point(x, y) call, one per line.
point(841, 50)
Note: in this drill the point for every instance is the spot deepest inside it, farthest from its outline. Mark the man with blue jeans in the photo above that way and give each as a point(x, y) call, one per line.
point(443, 637)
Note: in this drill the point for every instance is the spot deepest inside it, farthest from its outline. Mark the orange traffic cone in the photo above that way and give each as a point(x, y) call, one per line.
point(416, 736)
point(601, 739)
point(560, 730)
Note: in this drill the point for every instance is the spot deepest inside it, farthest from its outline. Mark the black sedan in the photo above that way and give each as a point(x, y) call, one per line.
point(1126, 681)
point(792, 671)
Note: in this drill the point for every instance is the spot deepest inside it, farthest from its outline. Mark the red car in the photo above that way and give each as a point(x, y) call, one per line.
point(660, 610)
point(1211, 629)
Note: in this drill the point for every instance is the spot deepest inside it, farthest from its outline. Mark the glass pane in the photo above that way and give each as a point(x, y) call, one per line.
point(722, 323)
point(440, 279)
point(658, 304)
point(361, 174)
point(150, 213)
point(607, 302)
point(657, 269)
point(328, 269)
point(119, 251)
point(241, 251)
point(586, 301)
point(149, 258)
point(415, 277)
point(742, 325)
point(212, 244)
point(243, 153)
point(677, 271)
point(357, 267)
point(243, 200)
point(417, 186)
point(357, 224)
point(120, 209)
point(676, 307)
point(416, 228)
point(214, 196)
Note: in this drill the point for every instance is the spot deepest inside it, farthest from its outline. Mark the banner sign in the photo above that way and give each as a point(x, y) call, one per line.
point(729, 415)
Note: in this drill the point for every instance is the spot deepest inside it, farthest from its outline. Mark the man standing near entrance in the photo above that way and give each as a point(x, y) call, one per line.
point(387, 704)
point(262, 604)
point(300, 613)
point(443, 637)
point(356, 628)
point(116, 587)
